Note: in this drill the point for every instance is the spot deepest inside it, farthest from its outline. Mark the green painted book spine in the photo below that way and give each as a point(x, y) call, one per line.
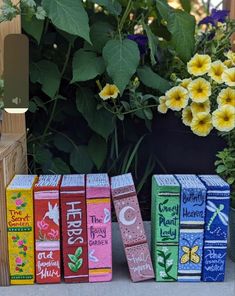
point(165, 227)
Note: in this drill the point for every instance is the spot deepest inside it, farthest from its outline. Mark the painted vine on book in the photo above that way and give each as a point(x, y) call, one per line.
point(74, 228)
point(47, 229)
point(165, 226)
point(21, 229)
point(132, 229)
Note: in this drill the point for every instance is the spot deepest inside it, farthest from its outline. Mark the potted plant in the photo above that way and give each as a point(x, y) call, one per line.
point(204, 96)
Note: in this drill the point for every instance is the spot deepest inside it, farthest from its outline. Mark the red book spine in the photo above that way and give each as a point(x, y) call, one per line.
point(74, 229)
point(47, 230)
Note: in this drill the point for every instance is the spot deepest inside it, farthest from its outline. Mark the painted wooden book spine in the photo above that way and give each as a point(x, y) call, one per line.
point(47, 230)
point(165, 227)
point(192, 221)
point(21, 229)
point(132, 229)
point(74, 229)
point(216, 229)
point(99, 228)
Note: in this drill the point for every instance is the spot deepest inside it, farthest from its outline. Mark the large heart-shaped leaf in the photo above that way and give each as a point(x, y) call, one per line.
point(47, 74)
point(101, 32)
point(152, 79)
point(100, 121)
point(69, 16)
point(122, 58)
point(86, 65)
point(80, 160)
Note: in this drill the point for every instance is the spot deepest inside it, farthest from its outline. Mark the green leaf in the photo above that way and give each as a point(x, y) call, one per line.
point(73, 258)
point(78, 252)
point(97, 148)
point(169, 268)
point(80, 160)
point(59, 166)
point(220, 169)
point(72, 267)
point(182, 28)
point(168, 256)
point(231, 180)
point(122, 58)
point(69, 16)
point(43, 155)
point(47, 74)
point(62, 143)
point(152, 42)
point(79, 264)
point(86, 65)
point(19, 194)
point(112, 6)
point(152, 79)
point(181, 25)
point(161, 264)
point(100, 121)
point(101, 32)
point(148, 113)
point(186, 4)
point(33, 27)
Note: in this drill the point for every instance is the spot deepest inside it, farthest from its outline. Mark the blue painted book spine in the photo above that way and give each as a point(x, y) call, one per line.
point(216, 228)
point(192, 220)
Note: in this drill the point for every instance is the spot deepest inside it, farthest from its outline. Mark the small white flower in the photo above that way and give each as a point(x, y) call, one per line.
point(165, 249)
point(162, 274)
point(169, 262)
point(160, 259)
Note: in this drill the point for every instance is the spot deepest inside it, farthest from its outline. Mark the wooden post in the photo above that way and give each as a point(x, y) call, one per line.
point(230, 5)
point(13, 156)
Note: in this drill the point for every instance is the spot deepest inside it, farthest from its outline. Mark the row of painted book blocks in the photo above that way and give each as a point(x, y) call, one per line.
point(70, 217)
point(189, 227)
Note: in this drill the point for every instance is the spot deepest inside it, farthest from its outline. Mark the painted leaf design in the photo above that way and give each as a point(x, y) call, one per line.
point(14, 197)
point(73, 258)
point(78, 252)
point(161, 264)
point(168, 256)
point(19, 194)
point(169, 268)
point(79, 264)
point(72, 267)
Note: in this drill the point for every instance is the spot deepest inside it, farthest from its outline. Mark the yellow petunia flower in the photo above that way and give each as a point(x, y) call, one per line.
point(199, 90)
point(177, 98)
point(162, 107)
point(231, 56)
point(199, 65)
point(224, 118)
point(185, 82)
point(229, 76)
point(200, 107)
point(110, 91)
point(202, 124)
point(216, 71)
point(187, 116)
point(228, 63)
point(226, 97)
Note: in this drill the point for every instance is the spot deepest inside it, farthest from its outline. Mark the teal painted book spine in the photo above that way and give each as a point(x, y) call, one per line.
point(165, 227)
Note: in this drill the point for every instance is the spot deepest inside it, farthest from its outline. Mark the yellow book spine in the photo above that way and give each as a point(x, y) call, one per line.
point(20, 223)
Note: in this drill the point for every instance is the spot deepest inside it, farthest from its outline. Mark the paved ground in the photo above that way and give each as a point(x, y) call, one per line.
point(122, 286)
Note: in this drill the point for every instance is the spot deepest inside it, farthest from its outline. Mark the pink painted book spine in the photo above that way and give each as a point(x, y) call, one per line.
point(47, 229)
point(99, 228)
point(132, 229)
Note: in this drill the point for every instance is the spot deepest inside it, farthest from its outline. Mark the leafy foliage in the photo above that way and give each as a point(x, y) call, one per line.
point(76, 48)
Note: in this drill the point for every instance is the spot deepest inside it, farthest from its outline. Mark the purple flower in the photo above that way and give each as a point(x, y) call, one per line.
point(215, 17)
point(142, 42)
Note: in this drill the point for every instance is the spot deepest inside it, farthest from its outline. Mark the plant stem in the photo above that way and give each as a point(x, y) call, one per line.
point(56, 96)
point(125, 15)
